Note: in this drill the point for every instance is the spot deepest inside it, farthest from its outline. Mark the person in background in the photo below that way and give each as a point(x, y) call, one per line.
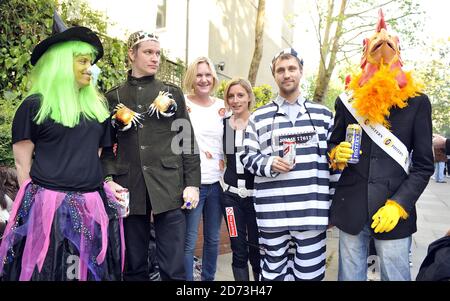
point(442, 142)
point(238, 196)
point(440, 158)
point(206, 113)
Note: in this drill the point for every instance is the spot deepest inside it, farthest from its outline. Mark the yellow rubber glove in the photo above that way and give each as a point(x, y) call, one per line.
point(386, 218)
point(340, 155)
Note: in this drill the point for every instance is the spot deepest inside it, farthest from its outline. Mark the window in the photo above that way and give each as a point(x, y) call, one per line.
point(161, 14)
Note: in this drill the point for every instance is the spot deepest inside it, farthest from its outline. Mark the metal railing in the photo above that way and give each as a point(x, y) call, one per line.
point(172, 72)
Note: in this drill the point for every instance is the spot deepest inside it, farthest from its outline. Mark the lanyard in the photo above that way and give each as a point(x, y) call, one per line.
point(273, 123)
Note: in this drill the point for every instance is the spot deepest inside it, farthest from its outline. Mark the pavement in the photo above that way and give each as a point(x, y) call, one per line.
point(433, 221)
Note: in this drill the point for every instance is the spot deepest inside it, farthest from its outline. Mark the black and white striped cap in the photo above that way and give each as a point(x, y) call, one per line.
point(290, 51)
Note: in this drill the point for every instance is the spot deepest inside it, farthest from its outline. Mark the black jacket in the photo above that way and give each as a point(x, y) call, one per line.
point(436, 265)
point(145, 162)
point(366, 186)
point(447, 147)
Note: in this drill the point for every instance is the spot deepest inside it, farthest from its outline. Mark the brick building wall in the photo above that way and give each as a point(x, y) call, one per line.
point(224, 245)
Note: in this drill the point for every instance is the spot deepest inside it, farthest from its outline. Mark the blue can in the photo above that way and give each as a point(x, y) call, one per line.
point(353, 136)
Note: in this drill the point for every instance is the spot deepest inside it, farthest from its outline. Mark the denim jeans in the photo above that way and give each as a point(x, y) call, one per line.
point(245, 246)
point(210, 205)
point(439, 171)
point(392, 255)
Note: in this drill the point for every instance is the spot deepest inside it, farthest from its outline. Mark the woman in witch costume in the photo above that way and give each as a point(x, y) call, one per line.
point(64, 223)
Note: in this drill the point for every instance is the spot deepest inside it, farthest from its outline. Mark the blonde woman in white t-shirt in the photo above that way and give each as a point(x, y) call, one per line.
point(206, 113)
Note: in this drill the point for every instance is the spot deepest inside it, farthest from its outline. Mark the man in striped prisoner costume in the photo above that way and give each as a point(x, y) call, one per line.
point(292, 200)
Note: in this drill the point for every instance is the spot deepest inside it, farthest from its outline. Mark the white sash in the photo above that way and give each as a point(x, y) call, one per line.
point(380, 135)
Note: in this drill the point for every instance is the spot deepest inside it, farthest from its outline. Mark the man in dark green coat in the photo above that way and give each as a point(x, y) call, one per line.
point(154, 159)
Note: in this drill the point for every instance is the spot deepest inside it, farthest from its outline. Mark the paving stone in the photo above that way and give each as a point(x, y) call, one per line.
point(433, 221)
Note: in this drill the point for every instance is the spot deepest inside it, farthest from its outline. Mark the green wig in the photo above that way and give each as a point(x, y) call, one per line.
point(61, 100)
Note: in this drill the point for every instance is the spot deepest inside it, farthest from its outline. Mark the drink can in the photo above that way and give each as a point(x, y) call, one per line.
point(353, 136)
point(125, 210)
point(289, 151)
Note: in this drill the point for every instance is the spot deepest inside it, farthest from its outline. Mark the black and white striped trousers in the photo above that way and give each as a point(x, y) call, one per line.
point(293, 255)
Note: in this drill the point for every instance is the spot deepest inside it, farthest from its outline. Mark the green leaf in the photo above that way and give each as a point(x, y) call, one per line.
point(9, 95)
point(22, 60)
point(9, 63)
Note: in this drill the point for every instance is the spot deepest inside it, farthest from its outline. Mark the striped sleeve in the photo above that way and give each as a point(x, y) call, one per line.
point(334, 174)
point(253, 160)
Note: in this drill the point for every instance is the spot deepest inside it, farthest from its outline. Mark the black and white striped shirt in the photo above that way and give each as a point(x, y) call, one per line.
point(299, 199)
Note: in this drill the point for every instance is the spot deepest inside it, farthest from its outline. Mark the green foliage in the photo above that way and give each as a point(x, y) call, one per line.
point(263, 93)
point(18, 35)
point(7, 108)
point(170, 71)
point(221, 88)
point(435, 73)
point(113, 63)
point(334, 89)
point(308, 86)
point(340, 45)
point(24, 24)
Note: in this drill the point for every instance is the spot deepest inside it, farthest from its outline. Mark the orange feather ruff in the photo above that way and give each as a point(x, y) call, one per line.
point(377, 96)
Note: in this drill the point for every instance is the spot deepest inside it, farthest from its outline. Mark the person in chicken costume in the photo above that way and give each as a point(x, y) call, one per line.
point(376, 197)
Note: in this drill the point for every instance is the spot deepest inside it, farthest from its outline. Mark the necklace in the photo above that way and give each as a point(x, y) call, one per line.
point(238, 123)
point(201, 103)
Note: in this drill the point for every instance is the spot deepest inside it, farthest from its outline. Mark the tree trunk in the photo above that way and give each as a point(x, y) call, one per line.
point(337, 36)
point(259, 31)
point(328, 56)
point(324, 51)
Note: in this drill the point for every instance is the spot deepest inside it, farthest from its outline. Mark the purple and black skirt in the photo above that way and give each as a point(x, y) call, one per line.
point(63, 235)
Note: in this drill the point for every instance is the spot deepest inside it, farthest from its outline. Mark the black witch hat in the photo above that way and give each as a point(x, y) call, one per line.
point(62, 34)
